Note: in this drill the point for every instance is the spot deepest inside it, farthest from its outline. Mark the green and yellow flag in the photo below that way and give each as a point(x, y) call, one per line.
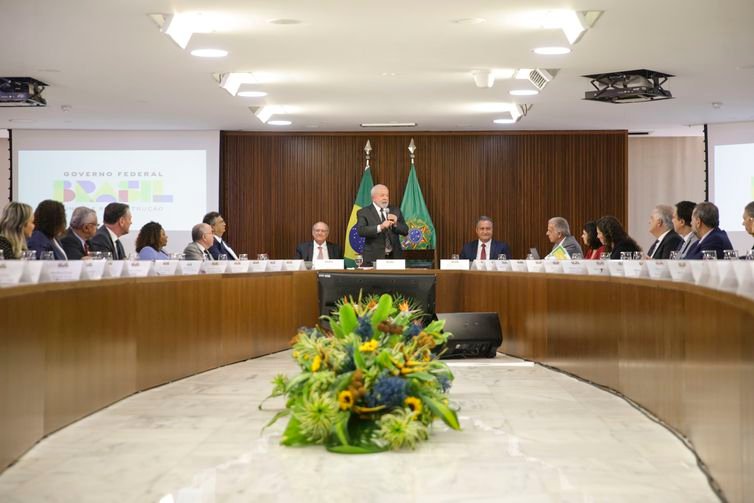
point(421, 230)
point(354, 242)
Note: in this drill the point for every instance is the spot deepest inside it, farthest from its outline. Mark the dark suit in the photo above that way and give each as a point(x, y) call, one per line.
point(716, 240)
point(72, 245)
point(367, 220)
point(623, 246)
point(102, 242)
point(218, 247)
point(496, 248)
point(305, 251)
point(670, 242)
point(41, 243)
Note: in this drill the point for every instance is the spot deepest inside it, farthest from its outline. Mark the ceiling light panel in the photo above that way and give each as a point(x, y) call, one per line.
point(231, 82)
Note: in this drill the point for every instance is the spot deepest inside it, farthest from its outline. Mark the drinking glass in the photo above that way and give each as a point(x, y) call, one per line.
point(750, 255)
point(262, 256)
point(243, 256)
point(637, 255)
point(626, 255)
point(96, 255)
point(454, 256)
point(108, 256)
point(502, 256)
point(730, 254)
point(47, 255)
point(529, 256)
point(359, 260)
point(605, 256)
point(675, 255)
point(222, 256)
point(28, 255)
point(577, 256)
point(2, 256)
point(709, 255)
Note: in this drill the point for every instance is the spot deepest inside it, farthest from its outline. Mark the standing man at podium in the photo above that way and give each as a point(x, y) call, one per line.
point(381, 225)
point(320, 248)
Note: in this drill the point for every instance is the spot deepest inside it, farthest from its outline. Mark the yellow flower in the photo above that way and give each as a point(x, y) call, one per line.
point(295, 354)
point(404, 306)
point(345, 399)
point(316, 363)
point(414, 404)
point(368, 346)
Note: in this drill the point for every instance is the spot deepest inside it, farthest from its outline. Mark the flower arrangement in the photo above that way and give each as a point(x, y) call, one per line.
point(373, 382)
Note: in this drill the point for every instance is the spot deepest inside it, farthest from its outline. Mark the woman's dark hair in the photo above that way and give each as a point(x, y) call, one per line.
point(614, 233)
point(591, 235)
point(149, 235)
point(49, 218)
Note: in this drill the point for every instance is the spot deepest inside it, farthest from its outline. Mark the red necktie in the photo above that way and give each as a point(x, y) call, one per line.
point(320, 256)
point(86, 249)
point(483, 255)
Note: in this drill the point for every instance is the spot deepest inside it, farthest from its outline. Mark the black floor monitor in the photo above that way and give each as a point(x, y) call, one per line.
point(475, 335)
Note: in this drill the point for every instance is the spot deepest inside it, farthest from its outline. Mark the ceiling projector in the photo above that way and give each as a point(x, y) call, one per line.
point(632, 86)
point(21, 92)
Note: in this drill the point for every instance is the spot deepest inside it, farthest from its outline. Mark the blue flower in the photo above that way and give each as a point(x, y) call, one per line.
point(348, 364)
point(387, 390)
point(444, 382)
point(412, 331)
point(365, 328)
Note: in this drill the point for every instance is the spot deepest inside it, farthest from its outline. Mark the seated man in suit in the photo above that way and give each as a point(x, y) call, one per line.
point(218, 225)
point(381, 226)
point(320, 248)
point(203, 238)
point(485, 248)
point(82, 228)
point(559, 234)
point(682, 226)
point(661, 227)
point(748, 222)
point(117, 218)
point(705, 221)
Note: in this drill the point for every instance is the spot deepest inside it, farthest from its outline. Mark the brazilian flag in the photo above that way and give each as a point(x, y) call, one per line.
point(421, 230)
point(354, 242)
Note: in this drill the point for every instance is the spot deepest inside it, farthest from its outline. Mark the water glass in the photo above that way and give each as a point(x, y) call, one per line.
point(709, 255)
point(730, 254)
point(222, 256)
point(454, 256)
point(243, 256)
point(108, 256)
point(502, 256)
point(28, 255)
point(675, 255)
point(2, 256)
point(262, 256)
point(47, 255)
point(358, 259)
point(626, 255)
point(750, 254)
point(637, 255)
point(96, 255)
point(529, 256)
point(605, 256)
point(577, 256)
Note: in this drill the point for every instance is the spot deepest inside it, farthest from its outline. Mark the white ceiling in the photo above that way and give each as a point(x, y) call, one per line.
point(108, 61)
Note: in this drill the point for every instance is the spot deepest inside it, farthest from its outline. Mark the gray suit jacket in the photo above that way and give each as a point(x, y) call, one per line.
point(194, 252)
point(571, 245)
point(685, 249)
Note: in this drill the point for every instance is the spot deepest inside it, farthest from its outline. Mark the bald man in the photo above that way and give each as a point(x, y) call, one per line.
point(320, 248)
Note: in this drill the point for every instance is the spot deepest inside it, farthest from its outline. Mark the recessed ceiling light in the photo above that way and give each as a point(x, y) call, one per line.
point(524, 92)
point(469, 20)
point(504, 121)
point(550, 51)
point(252, 94)
point(279, 123)
point(284, 21)
point(232, 81)
point(388, 124)
point(388, 74)
point(209, 53)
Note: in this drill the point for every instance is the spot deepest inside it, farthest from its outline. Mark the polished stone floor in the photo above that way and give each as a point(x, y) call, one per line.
point(529, 435)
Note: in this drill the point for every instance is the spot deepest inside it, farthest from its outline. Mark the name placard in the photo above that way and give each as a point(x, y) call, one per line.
point(274, 265)
point(553, 266)
point(454, 264)
point(92, 269)
point(113, 268)
point(535, 265)
point(189, 267)
point(744, 270)
point(727, 279)
point(704, 272)
point(61, 270)
point(597, 267)
point(680, 270)
point(574, 267)
point(658, 269)
point(238, 266)
point(257, 265)
point(616, 268)
point(214, 266)
point(294, 265)
point(11, 272)
point(335, 263)
point(164, 267)
point(635, 269)
point(518, 265)
point(138, 268)
point(502, 265)
point(390, 264)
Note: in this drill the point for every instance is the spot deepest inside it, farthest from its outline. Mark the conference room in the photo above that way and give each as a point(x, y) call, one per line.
point(249, 149)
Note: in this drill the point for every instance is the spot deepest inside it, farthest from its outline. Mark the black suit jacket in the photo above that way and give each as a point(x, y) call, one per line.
point(102, 242)
point(217, 248)
point(716, 240)
point(367, 220)
point(305, 251)
point(623, 246)
point(72, 245)
point(670, 243)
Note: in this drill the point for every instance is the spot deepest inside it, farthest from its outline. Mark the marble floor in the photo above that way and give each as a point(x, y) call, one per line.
point(529, 435)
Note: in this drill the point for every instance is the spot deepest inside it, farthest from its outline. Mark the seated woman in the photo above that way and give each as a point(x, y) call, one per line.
point(50, 221)
point(594, 248)
point(610, 232)
point(16, 226)
point(151, 241)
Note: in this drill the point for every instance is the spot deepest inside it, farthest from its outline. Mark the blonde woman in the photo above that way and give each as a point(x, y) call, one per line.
point(16, 226)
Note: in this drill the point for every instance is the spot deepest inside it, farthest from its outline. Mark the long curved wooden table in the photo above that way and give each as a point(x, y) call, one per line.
point(684, 352)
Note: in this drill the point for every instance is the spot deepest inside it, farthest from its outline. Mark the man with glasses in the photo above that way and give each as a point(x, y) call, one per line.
point(83, 226)
point(203, 239)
